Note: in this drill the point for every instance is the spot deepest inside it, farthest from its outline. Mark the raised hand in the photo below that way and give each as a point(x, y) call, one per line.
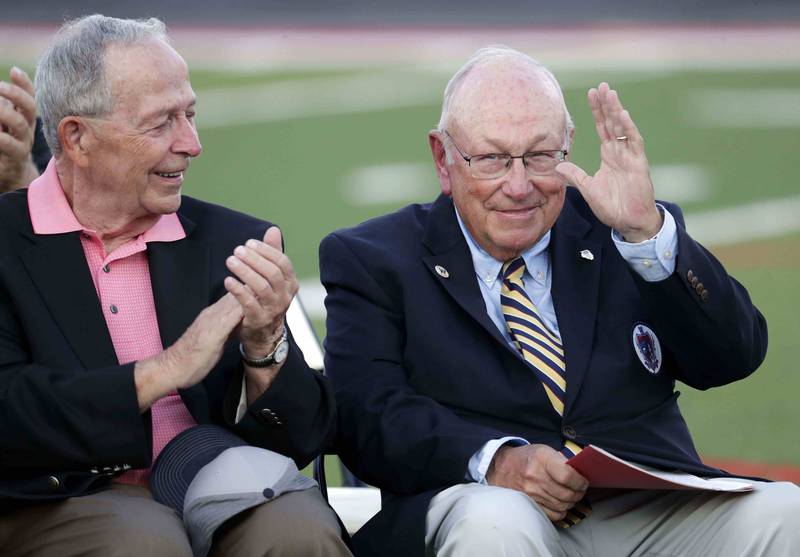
point(621, 192)
point(542, 473)
point(17, 125)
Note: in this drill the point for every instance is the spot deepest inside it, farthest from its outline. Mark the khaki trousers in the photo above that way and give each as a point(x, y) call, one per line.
point(479, 520)
point(125, 521)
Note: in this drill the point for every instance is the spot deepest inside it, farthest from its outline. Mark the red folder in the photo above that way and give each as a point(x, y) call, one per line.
point(603, 469)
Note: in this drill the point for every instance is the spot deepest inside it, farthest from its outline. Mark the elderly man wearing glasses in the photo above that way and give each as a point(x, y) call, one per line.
point(478, 342)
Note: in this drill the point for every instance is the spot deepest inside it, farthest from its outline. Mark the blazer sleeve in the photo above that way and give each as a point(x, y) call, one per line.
point(296, 416)
point(388, 434)
point(64, 417)
point(716, 334)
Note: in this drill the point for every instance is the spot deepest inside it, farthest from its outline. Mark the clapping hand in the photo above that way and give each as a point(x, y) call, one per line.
point(264, 283)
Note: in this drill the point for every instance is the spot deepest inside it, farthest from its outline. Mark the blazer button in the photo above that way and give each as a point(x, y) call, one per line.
point(569, 432)
point(689, 276)
point(704, 296)
point(699, 288)
point(270, 416)
point(53, 482)
point(695, 282)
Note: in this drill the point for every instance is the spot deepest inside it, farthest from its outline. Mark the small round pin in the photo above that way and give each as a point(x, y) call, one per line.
point(442, 272)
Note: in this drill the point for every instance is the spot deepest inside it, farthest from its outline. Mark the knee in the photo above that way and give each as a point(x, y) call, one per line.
point(770, 513)
point(498, 513)
point(297, 524)
point(771, 503)
point(133, 542)
point(311, 535)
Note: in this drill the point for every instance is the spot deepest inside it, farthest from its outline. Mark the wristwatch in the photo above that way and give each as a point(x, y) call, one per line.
point(275, 357)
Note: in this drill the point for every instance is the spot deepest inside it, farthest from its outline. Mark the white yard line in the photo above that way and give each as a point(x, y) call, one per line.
point(681, 183)
point(755, 108)
point(752, 221)
point(303, 98)
point(393, 183)
point(406, 182)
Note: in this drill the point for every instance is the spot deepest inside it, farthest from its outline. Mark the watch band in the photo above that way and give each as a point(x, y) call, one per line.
point(269, 359)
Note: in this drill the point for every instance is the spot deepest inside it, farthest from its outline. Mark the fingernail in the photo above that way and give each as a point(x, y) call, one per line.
point(251, 243)
point(239, 250)
point(232, 261)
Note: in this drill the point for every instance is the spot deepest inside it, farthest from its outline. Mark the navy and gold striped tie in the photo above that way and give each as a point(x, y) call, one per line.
point(543, 351)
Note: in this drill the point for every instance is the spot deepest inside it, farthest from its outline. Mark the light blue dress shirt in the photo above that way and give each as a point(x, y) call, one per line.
point(653, 260)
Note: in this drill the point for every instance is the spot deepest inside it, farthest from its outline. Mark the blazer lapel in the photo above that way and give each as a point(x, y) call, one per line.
point(179, 274)
point(57, 266)
point(576, 282)
point(450, 253)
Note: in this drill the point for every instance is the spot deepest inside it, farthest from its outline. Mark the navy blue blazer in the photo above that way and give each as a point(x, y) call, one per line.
point(69, 417)
point(423, 378)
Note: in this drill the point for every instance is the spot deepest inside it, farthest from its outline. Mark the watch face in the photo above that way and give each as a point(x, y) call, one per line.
point(281, 351)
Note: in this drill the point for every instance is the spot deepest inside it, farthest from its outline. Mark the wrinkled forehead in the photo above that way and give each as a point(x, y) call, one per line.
point(146, 73)
point(508, 98)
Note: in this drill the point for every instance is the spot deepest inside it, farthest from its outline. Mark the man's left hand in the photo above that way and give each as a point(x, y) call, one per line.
point(265, 287)
point(621, 192)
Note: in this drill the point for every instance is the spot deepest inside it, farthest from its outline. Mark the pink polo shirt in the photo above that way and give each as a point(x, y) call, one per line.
point(122, 281)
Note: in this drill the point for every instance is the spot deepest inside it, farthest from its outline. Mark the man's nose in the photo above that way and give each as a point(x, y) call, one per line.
point(516, 184)
point(187, 141)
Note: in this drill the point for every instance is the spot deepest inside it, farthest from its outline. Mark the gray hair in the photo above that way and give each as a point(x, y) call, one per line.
point(70, 75)
point(484, 56)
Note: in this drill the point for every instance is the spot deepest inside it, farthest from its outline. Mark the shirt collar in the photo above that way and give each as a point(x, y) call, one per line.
point(51, 214)
point(488, 268)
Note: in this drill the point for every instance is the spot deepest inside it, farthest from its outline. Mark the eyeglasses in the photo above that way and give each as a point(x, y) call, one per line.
point(496, 165)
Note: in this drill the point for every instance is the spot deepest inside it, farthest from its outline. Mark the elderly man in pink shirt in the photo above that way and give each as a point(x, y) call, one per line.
point(129, 312)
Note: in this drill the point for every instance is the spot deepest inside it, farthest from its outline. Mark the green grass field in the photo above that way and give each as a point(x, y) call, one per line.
point(296, 170)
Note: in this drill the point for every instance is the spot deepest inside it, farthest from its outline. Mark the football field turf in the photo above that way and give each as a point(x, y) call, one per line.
point(317, 149)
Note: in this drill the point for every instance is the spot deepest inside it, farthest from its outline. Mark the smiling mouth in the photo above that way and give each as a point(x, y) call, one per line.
point(170, 174)
point(518, 212)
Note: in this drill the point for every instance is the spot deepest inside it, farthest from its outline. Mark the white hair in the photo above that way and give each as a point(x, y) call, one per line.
point(70, 76)
point(492, 54)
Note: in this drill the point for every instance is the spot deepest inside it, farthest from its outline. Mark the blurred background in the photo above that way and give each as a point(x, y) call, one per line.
point(315, 114)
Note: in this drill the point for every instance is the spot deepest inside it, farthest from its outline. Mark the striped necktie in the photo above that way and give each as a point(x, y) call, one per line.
point(543, 351)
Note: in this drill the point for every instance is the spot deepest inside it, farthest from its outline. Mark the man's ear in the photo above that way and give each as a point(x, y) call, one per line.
point(440, 161)
point(75, 137)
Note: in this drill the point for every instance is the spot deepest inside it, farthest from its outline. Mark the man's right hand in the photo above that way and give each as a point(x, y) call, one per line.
point(17, 125)
point(542, 473)
point(194, 354)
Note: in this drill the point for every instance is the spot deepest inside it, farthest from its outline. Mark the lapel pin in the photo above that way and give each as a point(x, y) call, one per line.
point(442, 271)
point(586, 254)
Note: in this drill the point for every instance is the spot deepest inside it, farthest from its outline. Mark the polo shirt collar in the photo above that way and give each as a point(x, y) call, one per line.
point(51, 214)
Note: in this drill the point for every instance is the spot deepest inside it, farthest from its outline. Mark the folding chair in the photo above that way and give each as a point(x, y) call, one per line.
point(354, 502)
